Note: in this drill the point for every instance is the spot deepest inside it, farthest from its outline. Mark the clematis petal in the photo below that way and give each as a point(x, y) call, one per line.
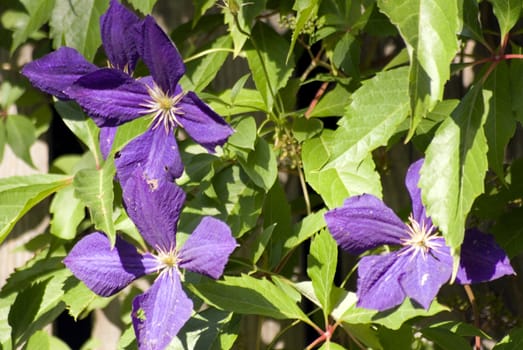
point(55, 72)
point(107, 270)
point(208, 248)
point(106, 139)
point(385, 280)
point(160, 55)
point(205, 126)
point(364, 222)
point(154, 207)
point(482, 259)
point(411, 180)
point(378, 285)
point(109, 96)
point(119, 44)
point(155, 152)
point(161, 312)
point(423, 274)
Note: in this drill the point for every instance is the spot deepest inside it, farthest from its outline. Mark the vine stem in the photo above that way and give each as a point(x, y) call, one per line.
point(475, 312)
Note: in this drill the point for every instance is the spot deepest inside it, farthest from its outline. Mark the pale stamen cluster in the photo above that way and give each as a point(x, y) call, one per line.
point(164, 108)
point(421, 238)
point(168, 260)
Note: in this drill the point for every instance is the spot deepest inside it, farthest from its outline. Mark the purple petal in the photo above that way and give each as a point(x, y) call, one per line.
point(482, 259)
point(205, 126)
point(106, 139)
point(110, 96)
point(154, 207)
point(364, 222)
point(161, 312)
point(208, 248)
point(107, 270)
point(424, 274)
point(118, 42)
point(378, 285)
point(411, 180)
point(55, 72)
point(160, 55)
point(385, 280)
point(155, 152)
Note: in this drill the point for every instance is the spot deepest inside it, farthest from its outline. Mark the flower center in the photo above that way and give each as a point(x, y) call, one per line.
point(164, 108)
point(168, 259)
point(421, 238)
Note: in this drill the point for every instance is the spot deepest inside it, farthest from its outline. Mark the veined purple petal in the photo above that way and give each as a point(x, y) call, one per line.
point(159, 314)
point(106, 139)
point(205, 126)
point(364, 222)
point(482, 259)
point(109, 96)
point(155, 152)
point(378, 285)
point(423, 275)
point(154, 207)
point(104, 270)
point(159, 55)
point(118, 42)
point(411, 180)
point(208, 248)
point(385, 280)
point(55, 72)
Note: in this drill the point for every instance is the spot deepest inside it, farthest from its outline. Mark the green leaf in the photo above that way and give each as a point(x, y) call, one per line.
point(346, 55)
point(94, 187)
point(306, 11)
point(244, 133)
point(304, 129)
point(340, 179)
point(75, 23)
point(239, 16)
point(9, 93)
point(348, 312)
point(512, 341)
point(42, 340)
point(429, 30)
point(128, 131)
point(200, 7)
point(321, 268)
point(210, 329)
point(244, 101)
point(261, 165)
point(500, 124)
point(80, 300)
point(469, 12)
point(455, 166)
point(144, 6)
point(68, 211)
point(18, 194)
point(39, 13)
point(3, 140)
point(20, 135)
point(5, 328)
point(445, 339)
point(329, 345)
point(201, 72)
point(82, 126)
point(277, 211)
point(36, 306)
point(304, 229)
point(248, 295)
point(260, 244)
point(516, 85)
point(267, 62)
point(378, 107)
point(333, 103)
point(507, 12)
point(236, 197)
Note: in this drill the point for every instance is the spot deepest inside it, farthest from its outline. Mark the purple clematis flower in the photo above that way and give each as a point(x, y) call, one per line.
point(57, 71)
point(112, 98)
point(422, 264)
point(159, 313)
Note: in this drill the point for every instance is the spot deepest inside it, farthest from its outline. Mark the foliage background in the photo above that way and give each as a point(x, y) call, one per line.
point(330, 99)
